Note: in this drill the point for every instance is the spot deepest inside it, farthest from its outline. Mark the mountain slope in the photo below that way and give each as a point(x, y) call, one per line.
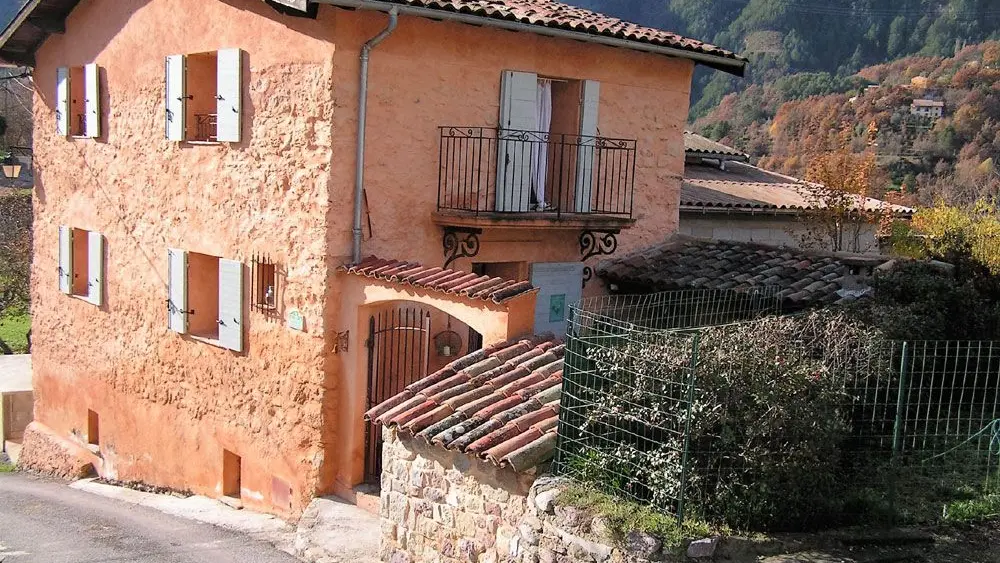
point(835, 36)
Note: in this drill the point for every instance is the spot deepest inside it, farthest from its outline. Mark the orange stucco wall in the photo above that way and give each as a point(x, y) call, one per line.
point(290, 404)
point(170, 405)
point(429, 74)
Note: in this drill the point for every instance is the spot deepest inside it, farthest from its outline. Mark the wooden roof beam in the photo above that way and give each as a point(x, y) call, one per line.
point(48, 25)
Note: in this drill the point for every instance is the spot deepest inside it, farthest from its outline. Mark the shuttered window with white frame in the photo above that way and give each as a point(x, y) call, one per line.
point(95, 268)
point(177, 304)
point(229, 92)
point(66, 259)
point(92, 101)
point(176, 98)
point(62, 101)
point(231, 304)
point(81, 264)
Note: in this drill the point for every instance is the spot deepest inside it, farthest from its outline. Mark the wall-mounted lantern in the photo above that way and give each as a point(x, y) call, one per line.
point(11, 167)
point(448, 344)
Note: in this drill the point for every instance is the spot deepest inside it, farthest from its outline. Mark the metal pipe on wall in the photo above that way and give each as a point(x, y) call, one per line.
point(359, 178)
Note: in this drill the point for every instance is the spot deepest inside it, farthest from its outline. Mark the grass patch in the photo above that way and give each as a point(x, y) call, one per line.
point(6, 467)
point(14, 331)
point(985, 507)
point(623, 516)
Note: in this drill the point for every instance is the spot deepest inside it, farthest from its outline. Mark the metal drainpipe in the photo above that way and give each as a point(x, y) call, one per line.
point(359, 179)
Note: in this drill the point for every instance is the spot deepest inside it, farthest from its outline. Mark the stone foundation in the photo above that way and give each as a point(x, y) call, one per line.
point(443, 506)
point(439, 505)
point(47, 453)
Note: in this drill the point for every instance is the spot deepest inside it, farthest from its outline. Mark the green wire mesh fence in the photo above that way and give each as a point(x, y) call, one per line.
point(707, 404)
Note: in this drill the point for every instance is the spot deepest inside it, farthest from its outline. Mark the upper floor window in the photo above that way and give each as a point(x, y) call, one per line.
point(81, 264)
point(203, 96)
point(78, 101)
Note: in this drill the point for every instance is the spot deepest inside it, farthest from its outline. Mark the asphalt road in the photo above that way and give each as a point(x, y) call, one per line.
point(44, 521)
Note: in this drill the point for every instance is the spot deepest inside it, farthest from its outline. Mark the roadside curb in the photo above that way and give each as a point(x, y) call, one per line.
point(263, 527)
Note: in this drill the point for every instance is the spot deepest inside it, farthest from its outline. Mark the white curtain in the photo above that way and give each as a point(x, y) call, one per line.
point(540, 149)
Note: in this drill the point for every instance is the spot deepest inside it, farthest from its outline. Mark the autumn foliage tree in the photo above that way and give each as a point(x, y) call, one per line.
point(841, 185)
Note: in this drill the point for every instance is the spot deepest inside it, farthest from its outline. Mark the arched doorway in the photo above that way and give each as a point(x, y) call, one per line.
point(398, 354)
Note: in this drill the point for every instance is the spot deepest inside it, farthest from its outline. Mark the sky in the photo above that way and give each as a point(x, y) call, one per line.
point(9, 9)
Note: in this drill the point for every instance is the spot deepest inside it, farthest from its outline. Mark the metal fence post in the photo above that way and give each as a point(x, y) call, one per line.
point(687, 428)
point(897, 430)
point(569, 373)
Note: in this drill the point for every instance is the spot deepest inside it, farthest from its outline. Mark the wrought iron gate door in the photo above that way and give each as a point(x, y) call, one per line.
point(398, 352)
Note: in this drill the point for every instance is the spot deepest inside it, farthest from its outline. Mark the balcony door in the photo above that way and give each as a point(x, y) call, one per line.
point(517, 133)
point(541, 162)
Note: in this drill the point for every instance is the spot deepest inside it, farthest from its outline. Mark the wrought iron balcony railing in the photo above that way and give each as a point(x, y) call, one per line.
point(491, 170)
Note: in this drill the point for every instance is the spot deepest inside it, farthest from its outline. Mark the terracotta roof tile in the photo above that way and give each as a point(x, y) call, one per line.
point(799, 277)
point(451, 282)
point(495, 403)
point(552, 14)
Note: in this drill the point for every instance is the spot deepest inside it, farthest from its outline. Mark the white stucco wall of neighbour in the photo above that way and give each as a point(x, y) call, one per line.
point(780, 230)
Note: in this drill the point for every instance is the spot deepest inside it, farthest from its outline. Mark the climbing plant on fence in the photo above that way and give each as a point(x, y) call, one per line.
point(775, 423)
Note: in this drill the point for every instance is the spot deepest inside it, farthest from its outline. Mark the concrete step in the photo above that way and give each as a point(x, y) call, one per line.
point(333, 531)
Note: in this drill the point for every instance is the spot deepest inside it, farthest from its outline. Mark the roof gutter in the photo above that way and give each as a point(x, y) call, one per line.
point(732, 66)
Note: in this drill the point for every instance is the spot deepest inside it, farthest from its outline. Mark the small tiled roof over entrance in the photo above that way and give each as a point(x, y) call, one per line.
point(500, 403)
point(451, 282)
point(802, 278)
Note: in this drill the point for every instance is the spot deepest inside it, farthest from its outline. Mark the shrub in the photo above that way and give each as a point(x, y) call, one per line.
point(767, 418)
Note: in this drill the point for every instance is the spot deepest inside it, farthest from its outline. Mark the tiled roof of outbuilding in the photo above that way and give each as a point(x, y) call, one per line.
point(801, 278)
point(451, 282)
point(742, 186)
point(697, 145)
point(500, 403)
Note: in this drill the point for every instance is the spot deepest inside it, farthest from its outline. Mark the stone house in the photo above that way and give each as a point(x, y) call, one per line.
point(933, 109)
point(724, 197)
point(211, 174)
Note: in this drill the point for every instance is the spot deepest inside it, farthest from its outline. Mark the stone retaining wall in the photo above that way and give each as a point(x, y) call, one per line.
point(439, 505)
point(445, 506)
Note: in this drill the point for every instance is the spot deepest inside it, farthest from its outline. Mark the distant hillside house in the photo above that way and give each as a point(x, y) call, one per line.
point(933, 109)
point(723, 197)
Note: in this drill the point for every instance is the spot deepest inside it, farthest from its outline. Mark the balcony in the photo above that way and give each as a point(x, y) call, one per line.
point(521, 179)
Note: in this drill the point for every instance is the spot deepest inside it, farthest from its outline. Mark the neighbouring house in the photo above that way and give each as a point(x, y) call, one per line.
point(725, 197)
point(257, 220)
point(933, 109)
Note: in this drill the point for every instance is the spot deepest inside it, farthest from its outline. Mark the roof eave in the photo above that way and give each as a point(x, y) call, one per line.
point(736, 66)
point(43, 26)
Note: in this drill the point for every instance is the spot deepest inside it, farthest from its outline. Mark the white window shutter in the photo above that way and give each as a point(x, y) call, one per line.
point(95, 268)
point(65, 259)
point(176, 97)
point(230, 92)
point(92, 100)
point(518, 113)
point(231, 304)
point(62, 101)
point(177, 302)
point(586, 158)
point(560, 285)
